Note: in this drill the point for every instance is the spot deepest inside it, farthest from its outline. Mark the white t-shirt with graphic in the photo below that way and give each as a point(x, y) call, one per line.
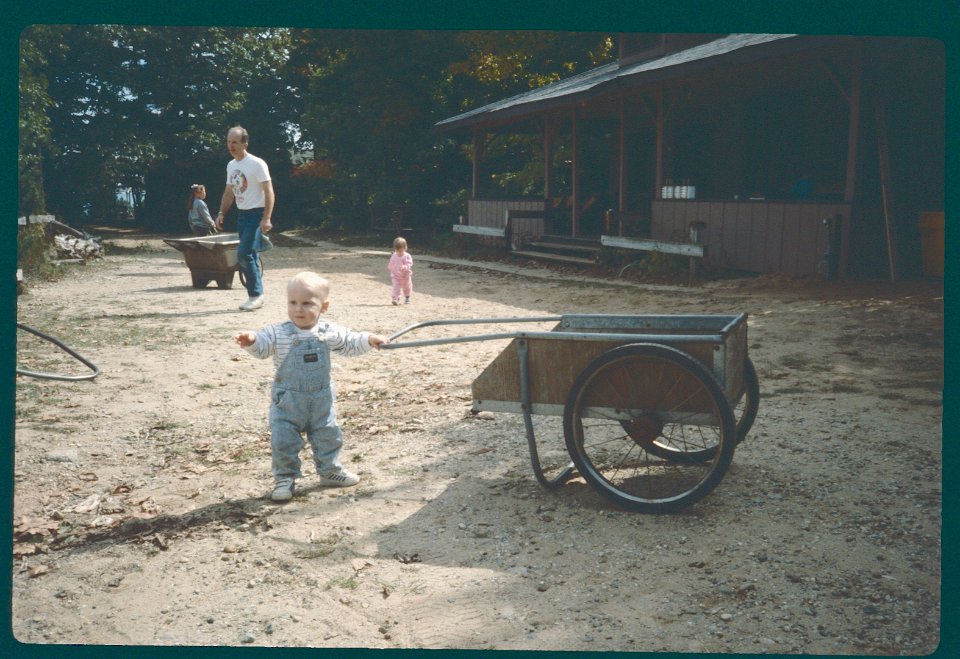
point(245, 177)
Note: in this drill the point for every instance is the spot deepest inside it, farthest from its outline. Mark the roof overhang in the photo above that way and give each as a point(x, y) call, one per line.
point(729, 50)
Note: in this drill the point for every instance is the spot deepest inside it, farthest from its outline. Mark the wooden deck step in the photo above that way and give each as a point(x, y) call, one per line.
point(571, 240)
point(566, 258)
point(565, 247)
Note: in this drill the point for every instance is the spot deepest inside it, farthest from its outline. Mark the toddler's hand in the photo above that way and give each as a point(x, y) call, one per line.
point(376, 341)
point(246, 339)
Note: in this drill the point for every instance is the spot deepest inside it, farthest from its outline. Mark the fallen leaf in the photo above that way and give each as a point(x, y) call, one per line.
point(38, 570)
point(88, 505)
point(25, 549)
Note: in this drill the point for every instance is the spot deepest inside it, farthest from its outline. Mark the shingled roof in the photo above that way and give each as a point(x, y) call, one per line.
point(606, 77)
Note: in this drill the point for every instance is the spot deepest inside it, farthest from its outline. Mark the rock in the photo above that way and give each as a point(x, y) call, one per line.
point(248, 637)
point(62, 455)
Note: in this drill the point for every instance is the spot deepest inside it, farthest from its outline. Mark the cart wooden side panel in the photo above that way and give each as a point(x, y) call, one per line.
point(554, 364)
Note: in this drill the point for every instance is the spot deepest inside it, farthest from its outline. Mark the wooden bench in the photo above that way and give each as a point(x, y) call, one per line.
point(491, 232)
point(693, 251)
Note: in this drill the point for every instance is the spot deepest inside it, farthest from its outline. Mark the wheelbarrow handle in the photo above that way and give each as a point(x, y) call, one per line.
point(462, 339)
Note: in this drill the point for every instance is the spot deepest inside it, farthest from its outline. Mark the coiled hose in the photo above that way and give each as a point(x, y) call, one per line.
point(55, 376)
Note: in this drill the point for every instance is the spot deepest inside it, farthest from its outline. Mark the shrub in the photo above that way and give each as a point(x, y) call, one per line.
point(35, 251)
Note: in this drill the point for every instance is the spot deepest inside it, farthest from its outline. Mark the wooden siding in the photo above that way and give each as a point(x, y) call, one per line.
point(756, 236)
point(492, 212)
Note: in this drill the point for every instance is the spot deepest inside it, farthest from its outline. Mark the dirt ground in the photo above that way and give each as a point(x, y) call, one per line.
point(141, 512)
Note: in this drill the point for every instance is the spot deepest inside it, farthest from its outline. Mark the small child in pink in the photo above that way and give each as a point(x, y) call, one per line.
point(401, 271)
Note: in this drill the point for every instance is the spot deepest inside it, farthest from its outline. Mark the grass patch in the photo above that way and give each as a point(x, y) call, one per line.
point(796, 389)
point(114, 249)
point(797, 360)
point(845, 388)
point(245, 453)
point(347, 583)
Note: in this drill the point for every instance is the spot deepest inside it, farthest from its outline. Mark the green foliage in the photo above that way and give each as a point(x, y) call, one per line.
point(34, 119)
point(657, 265)
point(33, 252)
point(108, 107)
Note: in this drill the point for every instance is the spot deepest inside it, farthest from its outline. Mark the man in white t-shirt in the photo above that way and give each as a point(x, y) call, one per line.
point(249, 184)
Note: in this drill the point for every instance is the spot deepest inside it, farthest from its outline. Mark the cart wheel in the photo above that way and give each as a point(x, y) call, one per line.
point(744, 414)
point(745, 411)
point(631, 402)
point(199, 282)
point(243, 277)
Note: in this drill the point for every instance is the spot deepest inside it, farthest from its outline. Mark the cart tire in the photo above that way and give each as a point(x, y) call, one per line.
point(632, 401)
point(243, 277)
point(199, 282)
point(746, 410)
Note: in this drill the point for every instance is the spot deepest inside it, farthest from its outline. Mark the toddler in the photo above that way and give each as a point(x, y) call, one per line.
point(302, 394)
point(401, 271)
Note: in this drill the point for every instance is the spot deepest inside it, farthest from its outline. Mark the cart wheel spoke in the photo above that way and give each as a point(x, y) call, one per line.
point(649, 427)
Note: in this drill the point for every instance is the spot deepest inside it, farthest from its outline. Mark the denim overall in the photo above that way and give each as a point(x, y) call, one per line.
point(302, 397)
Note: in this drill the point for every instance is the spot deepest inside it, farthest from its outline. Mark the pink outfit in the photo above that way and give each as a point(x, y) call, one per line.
point(401, 272)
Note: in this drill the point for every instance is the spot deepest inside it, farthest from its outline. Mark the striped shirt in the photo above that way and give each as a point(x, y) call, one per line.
point(277, 339)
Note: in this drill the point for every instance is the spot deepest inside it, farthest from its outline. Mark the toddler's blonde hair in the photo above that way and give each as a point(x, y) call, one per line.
point(313, 282)
point(399, 242)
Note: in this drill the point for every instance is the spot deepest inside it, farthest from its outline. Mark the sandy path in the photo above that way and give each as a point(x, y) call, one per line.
point(140, 497)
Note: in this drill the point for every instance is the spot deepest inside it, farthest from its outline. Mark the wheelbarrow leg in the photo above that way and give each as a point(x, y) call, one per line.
point(564, 476)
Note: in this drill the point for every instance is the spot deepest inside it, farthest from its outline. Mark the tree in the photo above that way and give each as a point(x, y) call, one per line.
point(148, 108)
point(34, 120)
point(373, 97)
point(109, 107)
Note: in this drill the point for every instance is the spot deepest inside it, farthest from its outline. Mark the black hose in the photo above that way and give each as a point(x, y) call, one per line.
point(55, 376)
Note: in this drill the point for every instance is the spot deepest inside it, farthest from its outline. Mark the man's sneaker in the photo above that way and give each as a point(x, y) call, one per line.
point(252, 303)
point(339, 478)
point(283, 490)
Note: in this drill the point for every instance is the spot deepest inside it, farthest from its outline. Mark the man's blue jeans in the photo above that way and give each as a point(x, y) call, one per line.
point(248, 226)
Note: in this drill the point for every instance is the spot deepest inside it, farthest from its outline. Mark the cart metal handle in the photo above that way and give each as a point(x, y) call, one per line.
point(634, 337)
point(462, 339)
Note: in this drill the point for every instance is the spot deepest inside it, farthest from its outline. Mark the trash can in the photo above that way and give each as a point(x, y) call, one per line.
point(931, 243)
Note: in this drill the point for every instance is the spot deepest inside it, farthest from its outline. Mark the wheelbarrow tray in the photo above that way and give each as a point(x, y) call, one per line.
point(717, 341)
point(209, 258)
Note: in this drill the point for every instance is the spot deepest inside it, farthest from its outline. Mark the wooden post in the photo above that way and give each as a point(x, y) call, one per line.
point(853, 133)
point(574, 211)
point(659, 123)
point(477, 152)
point(883, 155)
point(547, 157)
point(622, 169)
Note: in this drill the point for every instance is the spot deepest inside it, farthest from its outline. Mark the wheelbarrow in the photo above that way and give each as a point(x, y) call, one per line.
point(653, 406)
point(210, 258)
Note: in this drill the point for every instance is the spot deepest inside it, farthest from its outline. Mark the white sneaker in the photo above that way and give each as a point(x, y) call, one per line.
point(252, 303)
point(283, 490)
point(339, 478)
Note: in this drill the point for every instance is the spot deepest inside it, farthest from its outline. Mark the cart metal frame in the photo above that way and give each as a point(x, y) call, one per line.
point(540, 372)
